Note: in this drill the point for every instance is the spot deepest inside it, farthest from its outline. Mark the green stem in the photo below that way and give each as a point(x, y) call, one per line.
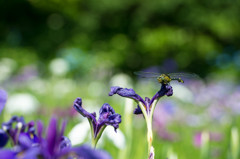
point(92, 134)
point(94, 143)
point(143, 110)
point(148, 119)
point(149, 126)
point(98, 136)
point(149, 134)
point(153, 108)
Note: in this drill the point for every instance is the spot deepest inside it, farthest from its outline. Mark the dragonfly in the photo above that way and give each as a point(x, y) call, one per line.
point(165, 78)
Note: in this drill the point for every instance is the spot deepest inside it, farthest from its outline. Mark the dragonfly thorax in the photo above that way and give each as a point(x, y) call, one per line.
point(164, 79)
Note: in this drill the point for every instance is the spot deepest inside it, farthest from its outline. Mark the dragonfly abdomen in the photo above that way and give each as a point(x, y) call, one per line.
point(178, 79)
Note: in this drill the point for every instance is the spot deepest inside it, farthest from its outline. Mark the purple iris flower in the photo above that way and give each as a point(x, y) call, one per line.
point(55, 145)
point(14, 132)
point(3, 99)
point(145, 107)
point(147, 103)
point(52, 145)
point(107, 116)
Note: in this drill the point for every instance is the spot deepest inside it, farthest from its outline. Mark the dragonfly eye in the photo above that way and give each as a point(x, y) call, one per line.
point(159, 79)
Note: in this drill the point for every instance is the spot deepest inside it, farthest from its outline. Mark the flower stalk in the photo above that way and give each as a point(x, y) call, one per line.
point(96, 138)
point(148, 119)
point(149, 135)
point(145, 107)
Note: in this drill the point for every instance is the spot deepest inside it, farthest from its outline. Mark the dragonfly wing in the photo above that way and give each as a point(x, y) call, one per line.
point(184, 75)
point(147, 74)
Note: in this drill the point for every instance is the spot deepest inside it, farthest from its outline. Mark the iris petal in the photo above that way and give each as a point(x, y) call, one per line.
point(89, 153)
point(52, 135)
point(6, 153)
point(137, 110)
point(125, 92)
point(78, 107)
point(3, 138)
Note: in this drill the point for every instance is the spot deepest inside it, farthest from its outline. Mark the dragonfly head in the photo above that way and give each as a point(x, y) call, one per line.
point(160, 79)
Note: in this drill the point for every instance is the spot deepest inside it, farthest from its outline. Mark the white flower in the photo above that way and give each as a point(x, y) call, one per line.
point(118, 139)
point(79, 133)
point(59, 67)
point(22, 103)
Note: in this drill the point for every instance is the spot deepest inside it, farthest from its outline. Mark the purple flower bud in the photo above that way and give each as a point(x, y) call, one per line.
point(165, 90)
point(107, 116)
point(169, 90)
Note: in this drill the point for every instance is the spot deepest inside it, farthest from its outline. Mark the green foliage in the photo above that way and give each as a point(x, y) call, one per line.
point(130, 34)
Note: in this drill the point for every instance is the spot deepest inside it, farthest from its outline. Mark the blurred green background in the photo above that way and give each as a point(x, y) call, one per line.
point(53, 51)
